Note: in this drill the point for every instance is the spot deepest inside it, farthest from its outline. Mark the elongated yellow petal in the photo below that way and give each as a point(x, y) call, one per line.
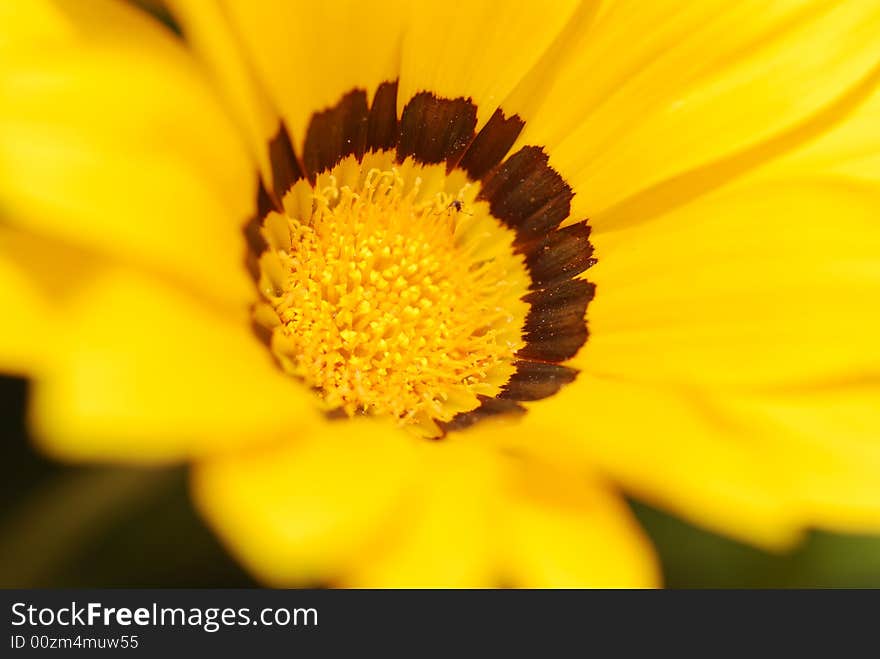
point(42, 23)
point(447, 535)
point(700, 83)
point(143, 373)
point(763, 283)
point(308, 54)
point(34, 21)
point(308, 508)
point(675, 449)
point(563, 529)
point(758, 466)
point(37, 278)
point(749, 309)
point(828, 436)
point(208, 32)
point(849, 150)
point(24, 342)
point(113, 139)
point(356, 504)
point(477, 49)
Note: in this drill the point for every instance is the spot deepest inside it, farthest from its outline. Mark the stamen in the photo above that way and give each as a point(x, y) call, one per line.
point(392, 291)
point(414, 268)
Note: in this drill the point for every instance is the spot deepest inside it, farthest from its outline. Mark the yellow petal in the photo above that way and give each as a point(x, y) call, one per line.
point(37, 277)
point(656, 90)
point(41, 23)
point(761, 467)
point(477, 49)
point(113, 139)
point(675, 449)
point(764, 283)
point(564, 529)
point(308, 54)
point(448, 531)
point(828, 436)
point(745, 316)
point(303, 511)
point(850, 149)
point(355, 504)
point(207, 31)
point(143, 373)
point(22, 347)
point(34, 21)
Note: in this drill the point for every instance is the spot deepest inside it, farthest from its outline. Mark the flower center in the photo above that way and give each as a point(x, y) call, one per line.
point(393, 291)
point(410, 267)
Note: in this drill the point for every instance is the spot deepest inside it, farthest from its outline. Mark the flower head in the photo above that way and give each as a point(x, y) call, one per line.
point(417, 290)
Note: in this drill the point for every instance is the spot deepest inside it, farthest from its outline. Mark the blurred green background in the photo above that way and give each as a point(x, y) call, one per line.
point(64, 526)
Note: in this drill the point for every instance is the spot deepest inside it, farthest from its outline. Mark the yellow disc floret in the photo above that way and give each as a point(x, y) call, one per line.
point(391, 291)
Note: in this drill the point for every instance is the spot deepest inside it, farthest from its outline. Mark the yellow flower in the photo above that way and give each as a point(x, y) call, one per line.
point(339, 257)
